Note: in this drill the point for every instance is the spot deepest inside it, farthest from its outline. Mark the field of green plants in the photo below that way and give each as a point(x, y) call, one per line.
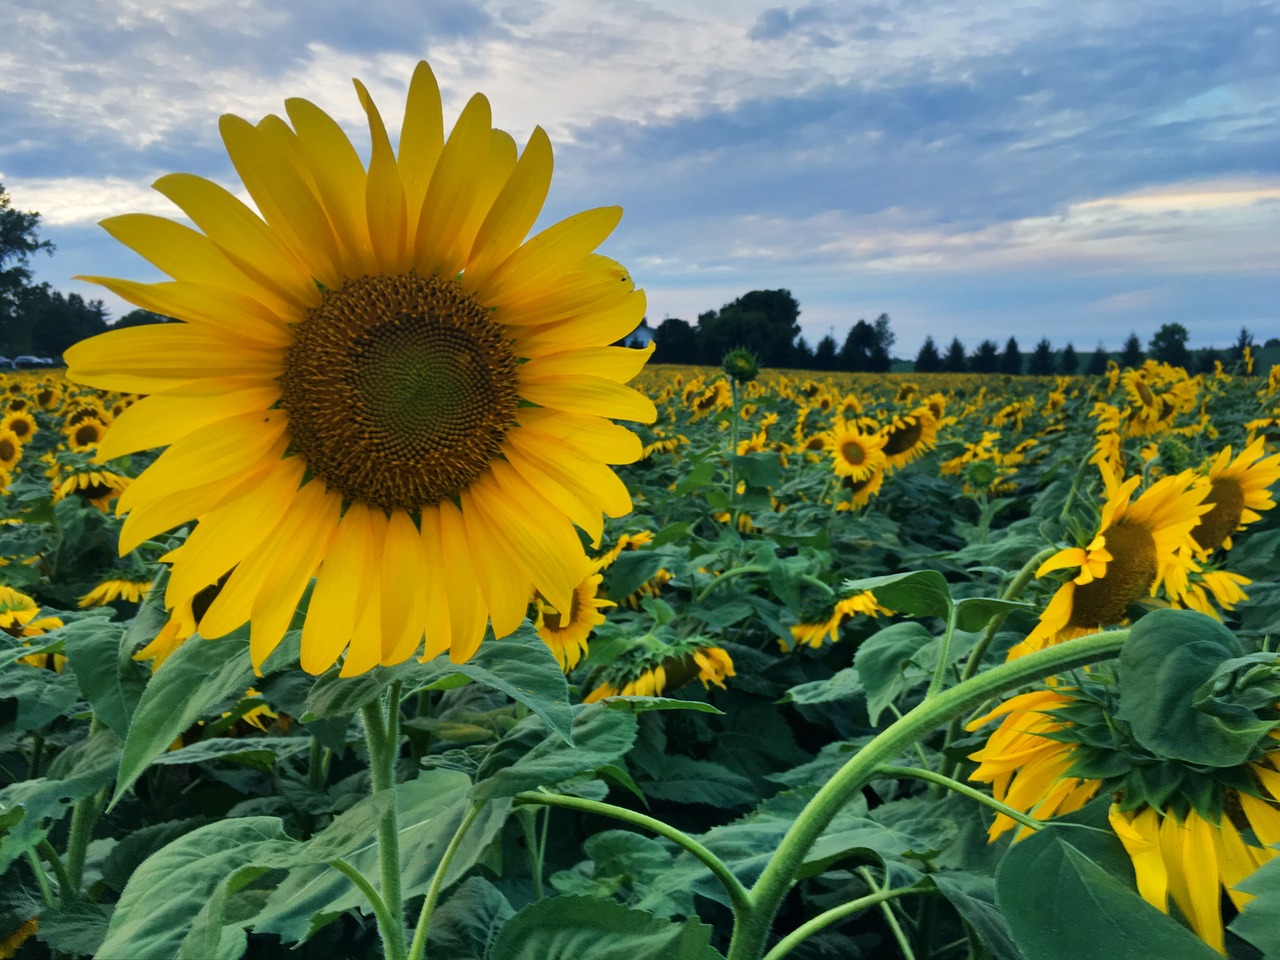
point(799, 707)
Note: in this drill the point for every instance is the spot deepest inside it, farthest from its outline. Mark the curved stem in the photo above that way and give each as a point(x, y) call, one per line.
point(55, 862)
point(1012, 592)
point(42, 881)
point(750, 933)
point(944, 656)
point(419, 945)
point(728, 575)
point(920, 773)
point(380, 909)
point(825, 919)
point(383, 736)
point(738, 895)
point(898, 934)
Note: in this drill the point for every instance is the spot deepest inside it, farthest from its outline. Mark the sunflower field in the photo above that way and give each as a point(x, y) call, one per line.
point(795, 651)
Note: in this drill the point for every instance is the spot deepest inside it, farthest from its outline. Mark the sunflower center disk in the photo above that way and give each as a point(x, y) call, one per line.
point(853, 452)
point(903, 438)
point(1129, 577)
point(399, 390)
point(1219, 523)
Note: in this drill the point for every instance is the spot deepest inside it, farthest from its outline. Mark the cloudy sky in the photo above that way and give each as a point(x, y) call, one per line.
point(1071, 170)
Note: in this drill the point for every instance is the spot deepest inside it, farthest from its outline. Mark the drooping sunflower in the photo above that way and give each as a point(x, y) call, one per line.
point(98, 486)
point(855, 453)
point(378, 384)
point(1238, 489)
point(648, 672)
point(1138, 545)
point(910, 436)
point(565, 632)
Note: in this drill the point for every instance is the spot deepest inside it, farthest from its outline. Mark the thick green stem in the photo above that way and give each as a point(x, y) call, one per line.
point(83, 818)
point(42, 881)
point(1012, 592)
point(944, 657)
point(834, 915)
point(752, 928)
point(419, 944)
point(738, 895)
point(382, 732)
point(55, 863)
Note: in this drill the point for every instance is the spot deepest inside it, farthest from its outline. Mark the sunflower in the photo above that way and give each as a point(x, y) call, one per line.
point(858, 493)
point(648, 673)
point(565, 632)
point(856, 454)
point(1138, 546)
point(908, 437)
point(1239, 488)
point(21, 424)
point(130, 591)
point(815, 634)
point(97, 486)
point(378, 384)
point(86, 435)
point(10, 449)
point(19, 618)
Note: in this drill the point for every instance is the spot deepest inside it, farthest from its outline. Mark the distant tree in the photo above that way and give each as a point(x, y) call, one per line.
point(54, 322)
point(986, 358)
point(1169, 345)
point(802, 355)
point(928, 360)
point(882, 355)
point(1235, 355)
point(1068, 361)
point(1271, 343)
point(18, 241)
point(855, 355)
point(1011, 359)
point(1098, 362)
point(675, 341)
point(955, 361)
point(766, 322)
point(824, 354)
point(1041, 362)
point(1206, 360)
point(137, 318)
point(1131, 355)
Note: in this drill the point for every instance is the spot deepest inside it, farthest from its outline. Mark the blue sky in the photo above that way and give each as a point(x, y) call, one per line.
point(1070, 170)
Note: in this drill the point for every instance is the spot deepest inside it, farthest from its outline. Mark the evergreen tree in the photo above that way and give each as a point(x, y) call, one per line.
point(1235, 355)
point(803, 357)
point(1098, 362)
point(1169, 345)
point(986, 358)
point(1011, 359)
point(928, 360)
point(1131, 356)
point(955, 361)
point(824, 355)
point(1041, 362)
point(1068, 361)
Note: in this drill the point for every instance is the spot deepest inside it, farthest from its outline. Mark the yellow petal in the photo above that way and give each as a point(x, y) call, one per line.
point(404, 593)
point(384, 194)
point(447, 206)
point(162, 418)
point(342, 588)
point(589, 395)
point(612, 363)
point(504, 585)
point(513, 213)
point(591, 437)
point(467, 614)
point(437, 633)
point(229, 311)
point(596, 284)
point(421, 139)
point(609, 323)
point(547, 257)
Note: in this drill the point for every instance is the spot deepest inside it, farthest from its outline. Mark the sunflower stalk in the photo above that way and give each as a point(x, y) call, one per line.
point(382, 733)
point(825, 919)
point(417, 949)
point(754, 920)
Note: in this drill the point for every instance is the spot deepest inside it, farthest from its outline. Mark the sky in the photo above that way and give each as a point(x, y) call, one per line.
point(1070, 170)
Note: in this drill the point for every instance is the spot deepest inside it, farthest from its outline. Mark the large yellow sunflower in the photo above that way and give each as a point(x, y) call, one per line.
point(1239, 488)
point(1138, 546)
point(909, 437)
point(378, 384)
point(855, 454)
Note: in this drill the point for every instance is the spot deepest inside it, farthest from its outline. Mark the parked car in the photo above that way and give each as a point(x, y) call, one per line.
point(6, 363)
point(29, 361)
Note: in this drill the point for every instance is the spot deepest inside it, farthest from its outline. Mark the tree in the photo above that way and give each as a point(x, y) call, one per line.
point(885, 339)
point(18, 241)
point(1011, 359)
point(802, 355)
point(675, 341)
point(928, 360)
point(1206, 360)
point(766, 322)
point(1131, 356)
point(1169, 345)
point(824, 355)
point(1235, 355)
point(955, 361)
point(1068, 360)
point(139, 317)
point(1041, 362)
point(855, 355)
point(986, 358)
point(1098, 362)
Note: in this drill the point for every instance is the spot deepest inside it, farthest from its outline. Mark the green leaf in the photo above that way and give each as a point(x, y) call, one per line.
point(335, 696)
point(1061, 903)
point(200, 674)
point(757, 469)
point(973, 613)
point(701, 475)
point(649, 704)
point(1167, 664)
point(75, 928)
point(98, 653)
point(464, 925)
point(168, 892)
point(1259, 921)
point(844, 684)
point(517, 762)
point(631, 570)
point(882, 661)
point(260, 752)
point(920, 593)
point(973, 897)
point(685, 780)
point(41, 695)
point(588, 929)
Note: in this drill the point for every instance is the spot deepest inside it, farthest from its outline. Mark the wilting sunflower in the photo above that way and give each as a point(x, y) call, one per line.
point(648, 673)
point(378, 384)
point(1137, 546)
point(130, 591)
point(97, 486)
point(1238, 489)
point(856, 454)
point(566, 632)
point(909, 437)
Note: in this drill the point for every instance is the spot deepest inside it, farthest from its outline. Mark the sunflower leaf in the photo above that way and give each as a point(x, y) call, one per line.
point(918, 593)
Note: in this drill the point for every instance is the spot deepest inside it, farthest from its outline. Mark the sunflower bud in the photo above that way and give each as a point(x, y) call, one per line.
point(741, 365)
